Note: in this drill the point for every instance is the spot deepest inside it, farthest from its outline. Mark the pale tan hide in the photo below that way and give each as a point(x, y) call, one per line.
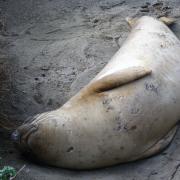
point(127, 112)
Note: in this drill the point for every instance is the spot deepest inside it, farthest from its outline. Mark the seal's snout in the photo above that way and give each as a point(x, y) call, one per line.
point(22, 135)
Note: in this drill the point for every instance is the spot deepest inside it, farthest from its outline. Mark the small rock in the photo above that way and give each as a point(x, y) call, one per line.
point(28, 32)
point(145, 5)
point(44, 68)
point(38, 98)
point(26, 68)
point(157, 4)
point(144, 10)
point(95, 20)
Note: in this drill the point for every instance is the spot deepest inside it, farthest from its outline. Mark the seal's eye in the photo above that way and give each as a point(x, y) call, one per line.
point(15, 136)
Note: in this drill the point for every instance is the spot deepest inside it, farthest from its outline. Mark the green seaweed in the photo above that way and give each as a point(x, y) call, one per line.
point(7, 173)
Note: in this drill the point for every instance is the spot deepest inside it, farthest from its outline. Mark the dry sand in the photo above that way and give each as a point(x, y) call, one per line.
point(49, 50)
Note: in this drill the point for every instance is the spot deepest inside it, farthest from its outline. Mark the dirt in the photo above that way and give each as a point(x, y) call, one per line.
point(49, 50)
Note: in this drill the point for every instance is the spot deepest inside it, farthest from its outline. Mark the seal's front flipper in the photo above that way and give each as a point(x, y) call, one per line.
point(168, 21)
point(160, 145)
point(117, 79)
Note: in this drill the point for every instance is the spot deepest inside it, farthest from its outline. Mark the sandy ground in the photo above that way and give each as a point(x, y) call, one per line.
point(49, 50)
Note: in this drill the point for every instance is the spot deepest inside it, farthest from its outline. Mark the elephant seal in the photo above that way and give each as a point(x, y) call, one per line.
point(129, 111)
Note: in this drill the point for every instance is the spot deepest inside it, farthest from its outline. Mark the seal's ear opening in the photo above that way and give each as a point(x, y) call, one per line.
point(117, 79)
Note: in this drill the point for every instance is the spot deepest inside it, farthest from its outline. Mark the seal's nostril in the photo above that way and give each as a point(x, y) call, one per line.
point(15, 136)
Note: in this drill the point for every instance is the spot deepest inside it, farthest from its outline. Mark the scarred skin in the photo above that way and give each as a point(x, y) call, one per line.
point(127, 112)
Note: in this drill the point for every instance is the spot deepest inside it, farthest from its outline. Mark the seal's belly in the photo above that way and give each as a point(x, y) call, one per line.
point(132, 119)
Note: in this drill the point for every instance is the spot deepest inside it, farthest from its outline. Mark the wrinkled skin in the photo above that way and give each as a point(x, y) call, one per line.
point(121, 123)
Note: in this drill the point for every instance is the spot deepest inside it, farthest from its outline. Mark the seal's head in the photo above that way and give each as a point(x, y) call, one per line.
point(21, 136)
point(38, 138)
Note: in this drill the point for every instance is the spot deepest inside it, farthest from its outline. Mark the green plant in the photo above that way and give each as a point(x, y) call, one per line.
point(7, 173)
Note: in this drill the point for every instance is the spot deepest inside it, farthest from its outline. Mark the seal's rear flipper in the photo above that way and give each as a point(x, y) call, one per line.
point(160, 145)
point(167, 20)
point(131, 21)
point(117, 79)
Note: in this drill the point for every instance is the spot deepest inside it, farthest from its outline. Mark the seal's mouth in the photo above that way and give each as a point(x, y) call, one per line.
point(21, 136)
